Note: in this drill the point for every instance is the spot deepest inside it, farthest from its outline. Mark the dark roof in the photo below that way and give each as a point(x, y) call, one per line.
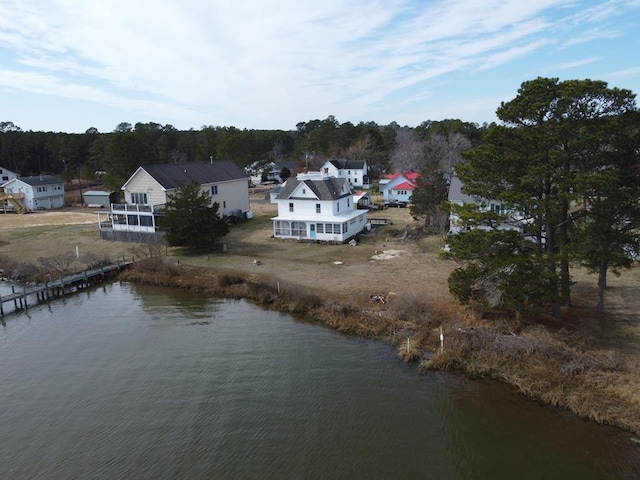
point(171, 176)
point(329, 188)
point(455, 192)
point(346, 164)
point(41, 180)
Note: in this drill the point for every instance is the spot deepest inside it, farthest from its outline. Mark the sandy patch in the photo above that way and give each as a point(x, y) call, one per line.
point(387, 255)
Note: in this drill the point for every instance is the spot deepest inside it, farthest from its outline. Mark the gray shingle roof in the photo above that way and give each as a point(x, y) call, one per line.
point(329, 188)
point(455, 192)
point(41, 180)
point(171, 176)
point(348, 164)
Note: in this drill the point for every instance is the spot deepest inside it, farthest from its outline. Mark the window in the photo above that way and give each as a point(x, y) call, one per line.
point(214, 189)
point(320, 228)
point(328, 228)
point(291, 207)
point(336, 228)
point(338, 206)
point(132, 219)
point(317, 208)
point(146, 221)
point(298, 229)
point(348, 203)
point(499, 209)
point(224, 204)
point(282, 229)
point(138, 198)
point(344, 227)
point(304, 191)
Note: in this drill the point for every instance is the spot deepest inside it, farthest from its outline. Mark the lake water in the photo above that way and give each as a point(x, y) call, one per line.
point(146, 383)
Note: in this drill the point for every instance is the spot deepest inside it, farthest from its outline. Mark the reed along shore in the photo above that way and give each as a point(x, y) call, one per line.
point(556, 367)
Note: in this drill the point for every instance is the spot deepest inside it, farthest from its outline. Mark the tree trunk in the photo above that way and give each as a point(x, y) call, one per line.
point(602, 286)
point(565, 277)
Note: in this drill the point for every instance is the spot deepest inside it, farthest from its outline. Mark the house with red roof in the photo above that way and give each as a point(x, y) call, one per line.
point(398, 190)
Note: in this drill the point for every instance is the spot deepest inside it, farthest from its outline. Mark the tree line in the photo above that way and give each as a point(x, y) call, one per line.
point(119, 153)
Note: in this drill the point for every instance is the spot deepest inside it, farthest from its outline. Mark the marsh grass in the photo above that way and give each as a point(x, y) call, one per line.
point(544, 367)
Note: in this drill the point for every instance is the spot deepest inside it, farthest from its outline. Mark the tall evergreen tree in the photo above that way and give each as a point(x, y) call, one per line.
point(191, 220)
point(531, 162)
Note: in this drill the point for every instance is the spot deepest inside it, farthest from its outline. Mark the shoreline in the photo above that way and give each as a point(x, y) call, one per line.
point(555, 368)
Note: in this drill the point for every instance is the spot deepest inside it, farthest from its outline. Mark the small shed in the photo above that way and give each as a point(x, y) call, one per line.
point(361, 199)
point(99, 198)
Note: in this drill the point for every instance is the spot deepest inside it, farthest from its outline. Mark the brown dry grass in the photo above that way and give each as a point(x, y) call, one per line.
point(587, 363)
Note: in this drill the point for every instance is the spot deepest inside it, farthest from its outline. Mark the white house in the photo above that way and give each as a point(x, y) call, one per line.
point(6, 175)
point(274, 171)
point(317, 207)
point(399, 188)
point(43, 192)
point(147, 190)
point(457, 197)
point(355, 171)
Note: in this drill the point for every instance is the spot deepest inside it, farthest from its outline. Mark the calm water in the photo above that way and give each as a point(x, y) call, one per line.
point(146, 383)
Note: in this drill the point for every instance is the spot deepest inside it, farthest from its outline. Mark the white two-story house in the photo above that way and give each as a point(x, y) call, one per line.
point(42, 192)
point(317, 207)
point(354, 171)
point(147, 190)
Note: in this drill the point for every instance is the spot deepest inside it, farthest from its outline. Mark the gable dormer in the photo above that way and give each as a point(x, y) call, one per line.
point(303, 190)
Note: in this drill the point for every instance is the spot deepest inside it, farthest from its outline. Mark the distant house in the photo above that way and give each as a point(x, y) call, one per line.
point(355, 171)
point(398, 190)
point(317, 207)
point(43, 192)
point(147, 190)
point(458, 197)
point(274, 172)
point(6, 175)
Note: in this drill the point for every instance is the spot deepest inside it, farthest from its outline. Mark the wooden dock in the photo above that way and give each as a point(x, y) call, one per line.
point(44, 292)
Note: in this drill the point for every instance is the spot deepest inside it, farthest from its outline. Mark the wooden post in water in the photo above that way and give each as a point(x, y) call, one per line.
point(441, 340)
point(15, 300)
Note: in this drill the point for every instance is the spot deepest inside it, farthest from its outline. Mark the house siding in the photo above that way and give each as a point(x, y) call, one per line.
point(142, 182)
point(234, 192)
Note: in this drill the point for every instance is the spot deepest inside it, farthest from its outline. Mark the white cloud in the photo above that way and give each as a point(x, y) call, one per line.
point(272, 63)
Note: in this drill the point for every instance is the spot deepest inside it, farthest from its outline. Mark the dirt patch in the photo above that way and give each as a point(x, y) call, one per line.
point(63, 216)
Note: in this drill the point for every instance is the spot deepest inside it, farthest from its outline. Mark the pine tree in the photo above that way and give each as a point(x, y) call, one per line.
point(191, 220)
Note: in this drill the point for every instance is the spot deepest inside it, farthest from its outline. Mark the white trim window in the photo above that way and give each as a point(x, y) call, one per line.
point(138, 198)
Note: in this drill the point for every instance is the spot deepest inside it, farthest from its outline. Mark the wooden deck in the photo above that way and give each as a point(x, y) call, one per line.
point(57, 288)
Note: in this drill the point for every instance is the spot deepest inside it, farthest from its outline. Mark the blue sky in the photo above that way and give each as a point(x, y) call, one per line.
point(68, 65)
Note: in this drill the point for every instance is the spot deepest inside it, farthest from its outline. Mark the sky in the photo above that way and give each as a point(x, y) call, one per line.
point(70, 65)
